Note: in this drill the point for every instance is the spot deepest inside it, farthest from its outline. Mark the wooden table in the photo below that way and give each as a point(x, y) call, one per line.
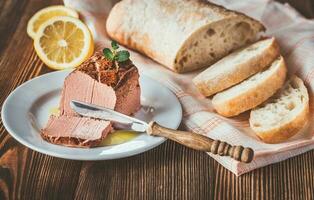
point(169, 171)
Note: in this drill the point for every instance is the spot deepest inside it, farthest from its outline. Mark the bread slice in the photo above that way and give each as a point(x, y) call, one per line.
point(251, 92)
point(237, 66)
point(283, 115)
point(183, 35)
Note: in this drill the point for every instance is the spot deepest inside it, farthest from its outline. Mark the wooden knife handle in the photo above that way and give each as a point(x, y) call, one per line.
point(202, 143)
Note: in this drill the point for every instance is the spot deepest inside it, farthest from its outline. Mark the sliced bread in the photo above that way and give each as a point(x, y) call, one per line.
point(237, 66)
point(251, 92)
point(183, 35)
point(283, 115)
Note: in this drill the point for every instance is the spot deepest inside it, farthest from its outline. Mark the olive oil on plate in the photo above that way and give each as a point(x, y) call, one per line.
point(54, 111)
point(119, 137)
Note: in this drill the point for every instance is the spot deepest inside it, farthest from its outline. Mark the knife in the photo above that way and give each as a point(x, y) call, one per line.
point(189, 139)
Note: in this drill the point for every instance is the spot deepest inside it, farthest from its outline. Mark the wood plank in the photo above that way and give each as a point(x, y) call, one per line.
point(306, 7)
point(291, 179)
point(169, 171)
point(25, 173)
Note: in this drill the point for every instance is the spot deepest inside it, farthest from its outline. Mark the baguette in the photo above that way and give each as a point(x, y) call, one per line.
point(284, 115)
point(251, 92)
point(183, 35)
point(237, 66)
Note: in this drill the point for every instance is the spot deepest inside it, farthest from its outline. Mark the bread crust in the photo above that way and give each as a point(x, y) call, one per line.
point(254, 96)
point(209, 86)
point(284, 131)
point(159, 28)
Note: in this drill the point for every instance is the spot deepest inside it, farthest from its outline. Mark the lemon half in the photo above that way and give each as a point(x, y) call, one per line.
point(45, 14)
point(63, 42)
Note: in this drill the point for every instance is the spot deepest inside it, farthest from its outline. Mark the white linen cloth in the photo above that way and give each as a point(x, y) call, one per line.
point(295, 35)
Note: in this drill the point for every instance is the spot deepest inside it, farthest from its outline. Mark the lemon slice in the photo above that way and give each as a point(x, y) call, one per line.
point(63, 42)
point(45, 14)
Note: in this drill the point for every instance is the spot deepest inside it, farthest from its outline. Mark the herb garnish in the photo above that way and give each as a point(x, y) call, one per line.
point(114, 55)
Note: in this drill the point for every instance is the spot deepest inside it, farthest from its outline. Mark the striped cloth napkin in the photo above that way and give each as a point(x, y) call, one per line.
point(295, 35)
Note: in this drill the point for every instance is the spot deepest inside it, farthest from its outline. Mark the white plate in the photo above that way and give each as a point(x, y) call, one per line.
point(30, 103)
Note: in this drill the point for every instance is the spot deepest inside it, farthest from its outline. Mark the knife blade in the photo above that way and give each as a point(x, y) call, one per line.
point(97, 112)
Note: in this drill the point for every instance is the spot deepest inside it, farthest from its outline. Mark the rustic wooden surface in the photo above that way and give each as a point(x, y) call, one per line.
point(169, 171)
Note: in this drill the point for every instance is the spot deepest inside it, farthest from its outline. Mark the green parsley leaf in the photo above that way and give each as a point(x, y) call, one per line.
point(122, 56)
point(108, 54)
point(114, 45)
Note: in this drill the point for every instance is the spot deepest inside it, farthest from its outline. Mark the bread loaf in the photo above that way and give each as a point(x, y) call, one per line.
point(183, 35)
point(251, 92)
point(283, 115)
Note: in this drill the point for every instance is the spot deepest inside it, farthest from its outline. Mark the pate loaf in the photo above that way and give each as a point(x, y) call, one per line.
point(183, 35)
point(96, 81)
